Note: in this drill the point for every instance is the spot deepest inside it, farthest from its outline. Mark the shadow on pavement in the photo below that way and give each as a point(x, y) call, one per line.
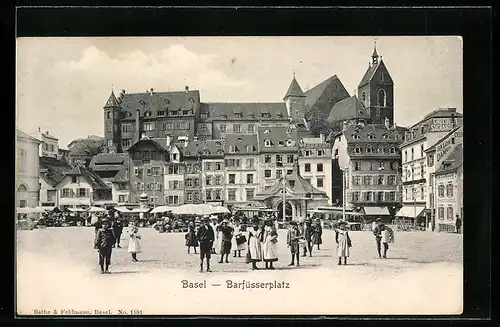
point(124, 272)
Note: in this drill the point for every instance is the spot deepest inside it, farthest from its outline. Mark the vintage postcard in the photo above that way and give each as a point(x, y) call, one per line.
point(239, 176)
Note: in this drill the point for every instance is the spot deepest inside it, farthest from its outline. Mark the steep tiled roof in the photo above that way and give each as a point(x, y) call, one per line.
point(368, 74)
point(245, 144)
point(440, 113)
point(453, 161)
point(294, 90)
point(147, 141)
point(159, 101)
point(370, 133)
point(109, 159)
point(278, 136)
point(52, 170)
point(350, 108)
point(244, 111)
point(300, 187)
point(323, 96)
point(92, 178)
point(205, 149)
point(121, 176)
point(112, 101)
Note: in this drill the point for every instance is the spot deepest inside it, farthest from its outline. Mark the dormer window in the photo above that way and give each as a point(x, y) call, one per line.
point(185, 112)
point(392, 150)
point(233, 149)
point(281, 143)
point(240, 139)
point(369, 149)
point(191, 100)
point(218, 143)
point(267, 143)
point(204, 115)
point(147, 114)
point(251, 115)
point(167, 101)
point(142, 102)
point(355, 136)
point(380, 149)
point(161, 113)
point(224, 116)
point(357, 149)
point(371, 136)
point(266, 115)
point(267, 131)
point(279, 115)
point(220, 151)
point(385, 136)
point(250, 148)
point(238, 115)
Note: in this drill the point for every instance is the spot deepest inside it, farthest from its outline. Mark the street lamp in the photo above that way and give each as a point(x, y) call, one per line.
point(283, 173)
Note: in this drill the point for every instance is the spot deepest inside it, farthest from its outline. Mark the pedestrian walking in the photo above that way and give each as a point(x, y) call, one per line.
point(254, 252)
point(133, 244)
point(191, 238)
point(239, 239)
point(218, 237)
point(458, 225)
point(292, 240)
point(317, 234)
point(269, 239)
point(343, 242)
point(104, 242)
point(117, 230)
point(226, 237)
point(206, 238)
point(377, 231)
point(386, 237)
point(308, 236)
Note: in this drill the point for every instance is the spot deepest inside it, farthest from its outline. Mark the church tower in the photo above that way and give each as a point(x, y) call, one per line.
point(376, 91)
point(295, 102)
point(112, 130)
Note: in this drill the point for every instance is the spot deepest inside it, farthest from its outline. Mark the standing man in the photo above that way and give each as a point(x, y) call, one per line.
point(103, 243)
point(292, 241)
point(226, 236)
point(206, 238)
point(458, 224)
point(308, 233)
point(317, 233)
point(377, 231)
point(117, 230)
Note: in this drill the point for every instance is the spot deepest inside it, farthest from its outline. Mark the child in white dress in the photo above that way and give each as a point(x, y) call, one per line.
point(133, 244)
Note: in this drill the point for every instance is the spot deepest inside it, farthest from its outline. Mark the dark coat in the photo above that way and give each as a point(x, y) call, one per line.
point(308, 232)
point(191, 238)
point(104, 238)
point(117, 227)
point(205, 234)
point(317, 233)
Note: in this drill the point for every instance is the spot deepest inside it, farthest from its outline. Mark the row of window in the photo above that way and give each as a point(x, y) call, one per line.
point(449, 213)
point(72, 193)
point(237, 128)
point(370, 149)
point(149, 187)
point(231, 194)
point(154, 171)
point(279, 158)
point(232, 179)
point(166, 126)
point(270, 143)
point(412, 194)
point(319, 167)
point(381, 165)
point(310, 153)
point(373, 196)
point(48, 147)
point(369, 180)
point(449, 190)
point(412, 153)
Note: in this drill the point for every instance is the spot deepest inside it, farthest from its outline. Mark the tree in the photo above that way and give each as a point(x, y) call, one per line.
point(317, 121)
point(87, 148)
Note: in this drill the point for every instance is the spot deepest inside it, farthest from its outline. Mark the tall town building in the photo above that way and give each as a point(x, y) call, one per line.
point(49, 146)
point(113, 169)
point(27, 170)
point(416, 170)
point(175, 172)
point(373, 174)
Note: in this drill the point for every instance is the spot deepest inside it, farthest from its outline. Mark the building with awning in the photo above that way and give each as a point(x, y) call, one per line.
point(376, 211)
point(410, 211)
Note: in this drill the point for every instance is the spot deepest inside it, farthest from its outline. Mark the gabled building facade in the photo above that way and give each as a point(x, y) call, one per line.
point(175, 171)
point(52, 170)
point(27, 170)
point(113, 169)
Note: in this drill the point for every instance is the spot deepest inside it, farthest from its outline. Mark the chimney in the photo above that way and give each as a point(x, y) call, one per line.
point(39, 129)
point(143, 136)
point(123, 92)
point(186, 89)
point(186, 141)
point(137, 125)
point(151, 91)
point(322, 137)
point(344, 125)
point(46, 132)
point(169, 140)
point(387, 123)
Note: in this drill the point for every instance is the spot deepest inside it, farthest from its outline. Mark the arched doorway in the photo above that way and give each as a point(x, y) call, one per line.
point(288, 211)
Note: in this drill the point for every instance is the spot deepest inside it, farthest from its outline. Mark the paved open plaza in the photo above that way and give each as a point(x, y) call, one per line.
point(57, 270)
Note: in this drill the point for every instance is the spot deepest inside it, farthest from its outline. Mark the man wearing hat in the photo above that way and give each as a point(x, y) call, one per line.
point(103, 243)
point(206, 238)
point(292, 241)
point(308, 233)
point(377, 231)
point(227, 235)
point(117, 230)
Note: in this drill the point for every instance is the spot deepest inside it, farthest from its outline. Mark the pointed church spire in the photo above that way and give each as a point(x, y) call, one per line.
point(112, 101)
point(294, 90)
point(375, 55)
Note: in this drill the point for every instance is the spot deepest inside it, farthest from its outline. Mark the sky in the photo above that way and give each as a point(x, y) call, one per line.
point(63, 83)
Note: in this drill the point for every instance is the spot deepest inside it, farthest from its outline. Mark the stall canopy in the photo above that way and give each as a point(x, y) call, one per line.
point(161, 209)
point(76, 210)
point(122, 209)
point(139, 210)
point(376, 211)
point(410, 211)
point(97, 209)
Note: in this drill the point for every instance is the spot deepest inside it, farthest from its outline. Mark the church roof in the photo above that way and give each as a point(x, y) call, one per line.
point(323, 96)
point(294, 90)
point(112, 101)
point(350, 108)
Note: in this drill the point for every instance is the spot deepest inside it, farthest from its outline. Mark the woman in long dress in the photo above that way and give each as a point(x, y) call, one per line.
point(269, 239)
point(239, 239)
point(133, 244)
point(343, 242)
point(254, 251)
point(191, 239)
point(317, 233)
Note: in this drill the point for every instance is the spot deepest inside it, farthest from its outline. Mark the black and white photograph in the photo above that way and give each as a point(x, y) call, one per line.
point(270, 175)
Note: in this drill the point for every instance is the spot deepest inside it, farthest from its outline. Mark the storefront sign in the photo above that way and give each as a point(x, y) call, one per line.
point(444, 124)
point(444, 147)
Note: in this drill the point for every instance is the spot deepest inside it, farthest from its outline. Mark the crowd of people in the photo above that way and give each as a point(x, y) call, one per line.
point(256, 241)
